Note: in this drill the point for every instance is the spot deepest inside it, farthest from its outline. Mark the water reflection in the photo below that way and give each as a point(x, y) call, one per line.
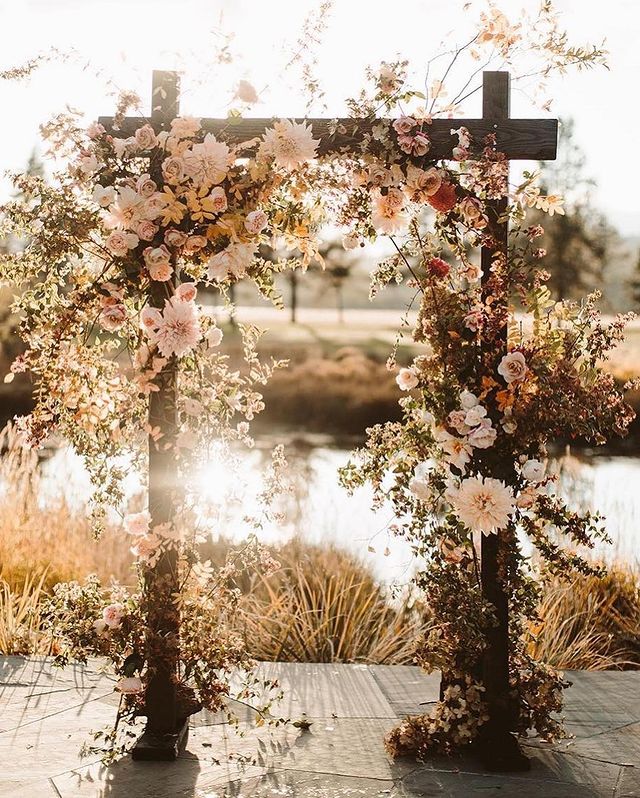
point(319, 510)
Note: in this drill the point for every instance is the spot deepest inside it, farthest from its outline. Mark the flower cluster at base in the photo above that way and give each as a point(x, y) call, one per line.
point(88, 620)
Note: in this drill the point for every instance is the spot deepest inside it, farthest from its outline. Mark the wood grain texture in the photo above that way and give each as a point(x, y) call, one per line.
point(519, 139)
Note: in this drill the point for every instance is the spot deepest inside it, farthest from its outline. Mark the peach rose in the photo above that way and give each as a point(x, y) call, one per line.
point(119, 243)
point(174, 238)
point(194, 243)
point(146, 230)
point(407, 379)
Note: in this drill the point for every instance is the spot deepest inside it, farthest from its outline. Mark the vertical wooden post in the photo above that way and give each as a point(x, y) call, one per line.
point(165, 727)
point(499, 747)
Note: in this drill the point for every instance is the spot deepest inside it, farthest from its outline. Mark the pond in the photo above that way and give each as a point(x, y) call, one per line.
point(319, 510)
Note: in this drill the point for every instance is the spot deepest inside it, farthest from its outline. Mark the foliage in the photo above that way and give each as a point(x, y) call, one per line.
point(577, 239)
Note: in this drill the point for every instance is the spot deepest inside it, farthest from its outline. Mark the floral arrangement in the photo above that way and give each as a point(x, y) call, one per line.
point(130, 232)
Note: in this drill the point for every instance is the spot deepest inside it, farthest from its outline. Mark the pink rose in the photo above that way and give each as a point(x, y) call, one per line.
point(150, 319)
point(194, 243)
point(145, 186)
point(513, 367)
point(119, 243)
point(174, 238)
point(217, 200)
point(145, 137)
point(483, 436)
point(404, 124)
point(158, 262)
point(186, 292)
point(146, 230)
point(173, 169)
point(161, 272)
point(255, 222)
point(95, 130)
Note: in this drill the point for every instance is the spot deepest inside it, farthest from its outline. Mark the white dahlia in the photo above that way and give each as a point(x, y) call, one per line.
point(483, 504)
point(289, 143)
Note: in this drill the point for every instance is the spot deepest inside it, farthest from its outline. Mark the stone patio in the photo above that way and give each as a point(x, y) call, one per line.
point(45, 716)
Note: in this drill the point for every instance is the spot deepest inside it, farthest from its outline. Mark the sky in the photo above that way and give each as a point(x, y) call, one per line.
point(116, 44)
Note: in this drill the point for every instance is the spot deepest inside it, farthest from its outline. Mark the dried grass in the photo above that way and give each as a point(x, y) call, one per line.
point(53, 539)
point(591, 623)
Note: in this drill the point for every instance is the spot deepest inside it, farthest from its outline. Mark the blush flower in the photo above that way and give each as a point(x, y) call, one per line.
point(255, 222)
point(231, 262)
point(207, 162)
point(119, 243)
point(137, 523)
point(158, 262)
point(387, 215)
point(289, 144)
point(178, 331)
point(186, 292)
point(513, 367)
point(483, 436)
point(112, 615)
point(483, 504)
point(145, 137)
point(533, 471)
point(407, 379)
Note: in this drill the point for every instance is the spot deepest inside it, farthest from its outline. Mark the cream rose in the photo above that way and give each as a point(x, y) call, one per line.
point(513, 367)
point(533, 471)
point(407, 379)
point(158, 262)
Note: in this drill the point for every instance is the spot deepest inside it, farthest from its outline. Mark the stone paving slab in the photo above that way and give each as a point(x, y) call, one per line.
point(46, 715)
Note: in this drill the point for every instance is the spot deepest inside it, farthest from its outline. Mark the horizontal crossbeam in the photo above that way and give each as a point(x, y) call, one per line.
point(518, 139)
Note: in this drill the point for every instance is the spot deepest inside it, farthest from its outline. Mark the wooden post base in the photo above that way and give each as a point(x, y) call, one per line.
point(501, 753)
point(154, 747)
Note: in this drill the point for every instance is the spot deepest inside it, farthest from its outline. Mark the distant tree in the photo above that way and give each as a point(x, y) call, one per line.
point(578, 243)
point(635, 281)
point(338, 267)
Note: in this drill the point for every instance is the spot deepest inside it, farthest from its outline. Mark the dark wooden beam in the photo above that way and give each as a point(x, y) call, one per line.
point(518, 139)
